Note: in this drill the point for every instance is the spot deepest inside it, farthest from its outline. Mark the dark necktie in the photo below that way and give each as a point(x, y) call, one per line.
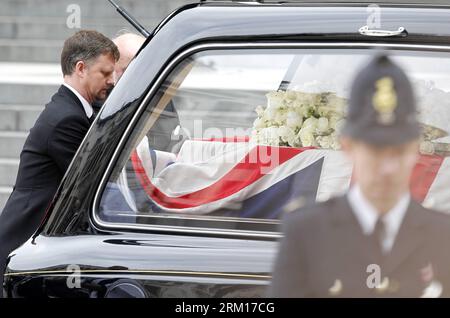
point(379, 234)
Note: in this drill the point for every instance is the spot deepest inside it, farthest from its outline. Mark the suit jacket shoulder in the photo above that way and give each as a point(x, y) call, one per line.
point(63, 104)
point(314, 216)
point(55, 136)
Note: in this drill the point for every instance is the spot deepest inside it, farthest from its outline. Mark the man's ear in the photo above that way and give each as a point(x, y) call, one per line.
point(80, 69)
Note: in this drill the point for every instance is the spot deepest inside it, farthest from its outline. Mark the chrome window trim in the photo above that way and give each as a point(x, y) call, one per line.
point(120, 227)
point(199, 217)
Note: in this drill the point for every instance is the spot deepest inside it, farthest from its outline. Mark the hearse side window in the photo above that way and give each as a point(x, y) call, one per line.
point(233, 139)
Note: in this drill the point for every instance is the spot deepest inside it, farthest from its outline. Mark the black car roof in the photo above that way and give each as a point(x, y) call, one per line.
point(337, 2)
point(220, 19)
point(222, 22)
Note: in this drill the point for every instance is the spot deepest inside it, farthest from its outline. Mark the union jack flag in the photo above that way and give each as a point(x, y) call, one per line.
point(236, 176)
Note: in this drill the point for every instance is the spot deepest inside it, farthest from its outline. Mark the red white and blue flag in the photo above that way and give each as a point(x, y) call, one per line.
point(237, 176)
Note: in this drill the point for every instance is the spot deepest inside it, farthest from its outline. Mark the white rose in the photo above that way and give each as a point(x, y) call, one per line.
point(306, 98)
point(322, 125)
point(333, 119)
point(269, 136)
point(323, 111)
point(297, 104)
point(301, 109)
point(270, 114)
point(260, 111)
point(293, 119)
point(304, 111)
point(306, 136)
point(335, 144)
point(275, 100)
point(280, 117)
point(310, 122)
point(290, 95)
point(325, 141)
point(294, 141)
point(259, 123)
point(286, 134)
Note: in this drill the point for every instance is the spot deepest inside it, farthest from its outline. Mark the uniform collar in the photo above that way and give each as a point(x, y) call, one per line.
point(87, 107)
point(367, 215)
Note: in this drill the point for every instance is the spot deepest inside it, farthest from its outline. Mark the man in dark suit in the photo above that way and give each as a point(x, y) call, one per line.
point(375, 241)
point(87, 62)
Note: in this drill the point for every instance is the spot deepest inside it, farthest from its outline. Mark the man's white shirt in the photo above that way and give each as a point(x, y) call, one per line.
point(87, 107)
point(367, 215)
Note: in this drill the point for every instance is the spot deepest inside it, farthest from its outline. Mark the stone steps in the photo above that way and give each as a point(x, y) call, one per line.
point(26, 94)
point(98, 9)
point(8, 171)
point(33, 50)
point(35, 30)
point(11, 143)
point(18, 117)
point(4, 195)
point(23, 28)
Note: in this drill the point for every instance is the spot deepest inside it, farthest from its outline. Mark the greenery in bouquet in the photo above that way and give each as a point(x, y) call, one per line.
point(299, 119)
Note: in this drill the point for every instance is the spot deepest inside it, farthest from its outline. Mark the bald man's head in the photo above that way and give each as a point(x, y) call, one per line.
point(128, 44)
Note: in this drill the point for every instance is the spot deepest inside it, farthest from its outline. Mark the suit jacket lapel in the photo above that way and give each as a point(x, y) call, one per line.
point(409, 237)
point(63, 90)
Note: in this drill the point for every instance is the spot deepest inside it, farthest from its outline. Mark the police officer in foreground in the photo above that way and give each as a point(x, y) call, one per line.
point(375, 241)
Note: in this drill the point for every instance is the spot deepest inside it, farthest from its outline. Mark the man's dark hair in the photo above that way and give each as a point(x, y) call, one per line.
point(85, 45)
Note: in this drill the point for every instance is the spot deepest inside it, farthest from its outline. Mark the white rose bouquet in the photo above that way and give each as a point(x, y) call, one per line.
point(298, 119)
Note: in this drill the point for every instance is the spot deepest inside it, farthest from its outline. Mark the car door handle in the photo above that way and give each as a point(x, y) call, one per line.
point(382, 33)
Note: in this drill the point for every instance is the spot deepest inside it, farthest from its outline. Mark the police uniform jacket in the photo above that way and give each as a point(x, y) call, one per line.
point(324, 253)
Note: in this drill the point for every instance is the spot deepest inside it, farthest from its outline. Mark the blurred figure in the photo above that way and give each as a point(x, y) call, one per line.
point(128, 44)
point(87, 62)
point(123, 195)
point(374, 241)
point(126, 193)
point(159, 136)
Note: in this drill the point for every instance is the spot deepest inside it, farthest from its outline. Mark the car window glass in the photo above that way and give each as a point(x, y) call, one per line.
point(233, 139)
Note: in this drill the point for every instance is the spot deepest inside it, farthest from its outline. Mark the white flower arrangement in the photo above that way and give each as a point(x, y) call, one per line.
point(433, 112)
point(302, 119)
point(298, 119)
